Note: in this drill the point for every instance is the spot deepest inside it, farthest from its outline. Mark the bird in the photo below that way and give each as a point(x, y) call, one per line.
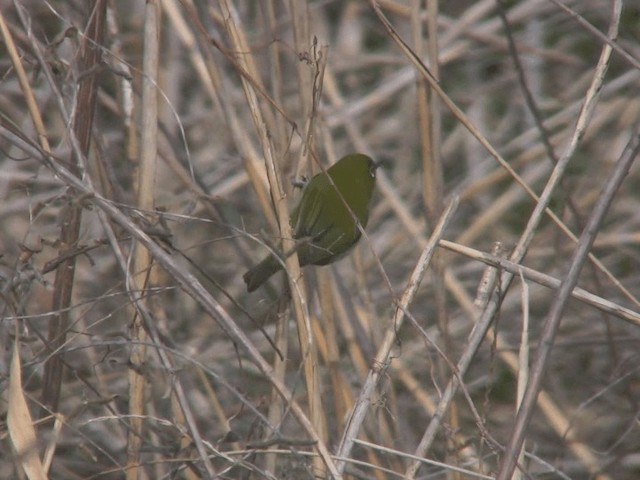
point(323, 227)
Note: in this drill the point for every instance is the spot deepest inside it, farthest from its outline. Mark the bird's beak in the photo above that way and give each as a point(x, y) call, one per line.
point(384, 163)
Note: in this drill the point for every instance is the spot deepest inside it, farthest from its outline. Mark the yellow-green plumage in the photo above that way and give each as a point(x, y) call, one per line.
point(321, 222)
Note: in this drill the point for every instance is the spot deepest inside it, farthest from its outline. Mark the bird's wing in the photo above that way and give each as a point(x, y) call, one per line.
point(307, 215)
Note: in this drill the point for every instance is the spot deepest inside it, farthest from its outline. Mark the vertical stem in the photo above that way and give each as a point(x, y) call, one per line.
point(90, 56)
point(142, 258)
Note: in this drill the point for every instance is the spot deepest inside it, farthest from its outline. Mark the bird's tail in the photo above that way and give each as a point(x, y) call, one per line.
point(261, 272)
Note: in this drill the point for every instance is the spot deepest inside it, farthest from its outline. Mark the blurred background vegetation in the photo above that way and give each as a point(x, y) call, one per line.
point(327, 79)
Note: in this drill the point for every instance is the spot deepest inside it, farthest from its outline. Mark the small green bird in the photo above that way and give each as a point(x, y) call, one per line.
point(322, 223)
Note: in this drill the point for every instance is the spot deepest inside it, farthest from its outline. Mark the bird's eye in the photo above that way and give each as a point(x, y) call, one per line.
point(372, 171)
